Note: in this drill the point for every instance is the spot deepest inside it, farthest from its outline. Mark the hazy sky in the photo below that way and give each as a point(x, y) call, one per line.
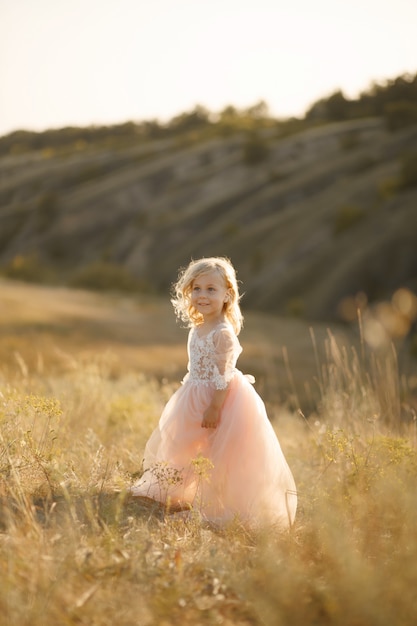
point(82, 62)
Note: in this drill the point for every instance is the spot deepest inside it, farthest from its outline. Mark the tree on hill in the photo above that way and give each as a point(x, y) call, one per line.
point(198, 118)
point(395, 99)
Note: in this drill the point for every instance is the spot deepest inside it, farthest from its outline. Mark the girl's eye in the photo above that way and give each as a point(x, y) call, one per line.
point(196, 288)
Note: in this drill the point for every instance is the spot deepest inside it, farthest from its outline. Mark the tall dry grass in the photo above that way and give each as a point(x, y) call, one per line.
point(74, 549)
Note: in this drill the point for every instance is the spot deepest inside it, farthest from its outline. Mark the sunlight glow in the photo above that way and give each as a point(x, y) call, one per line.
point(103, 62)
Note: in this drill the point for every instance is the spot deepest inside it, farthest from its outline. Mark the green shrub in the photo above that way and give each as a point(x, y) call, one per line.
point(295, 307)
point(257, 260)
point(388, 188)
point(347, 217)
point(231, 229)
point(362, 163)
point(46, 210)
point(408, 171)
point(255, 150)
point(350, 140)
point(413, 344)
point(11, 225)
point(27, 268)
point(400, 114)
point(103, 276)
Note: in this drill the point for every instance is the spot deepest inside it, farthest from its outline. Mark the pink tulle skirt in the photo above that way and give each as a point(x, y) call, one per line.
point(237, 470)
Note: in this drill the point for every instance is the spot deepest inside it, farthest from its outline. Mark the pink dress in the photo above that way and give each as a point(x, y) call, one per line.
point(237, 470)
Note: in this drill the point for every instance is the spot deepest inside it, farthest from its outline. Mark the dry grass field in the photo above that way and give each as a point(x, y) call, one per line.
point(83, 379)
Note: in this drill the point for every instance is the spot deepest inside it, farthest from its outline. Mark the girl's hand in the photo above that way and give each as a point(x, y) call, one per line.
point(211, 418)
point(211, 415)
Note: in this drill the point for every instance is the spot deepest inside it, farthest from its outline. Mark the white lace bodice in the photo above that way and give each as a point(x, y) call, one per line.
point(212, 358)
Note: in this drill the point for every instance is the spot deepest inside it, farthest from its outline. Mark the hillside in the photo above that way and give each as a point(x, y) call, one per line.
point(54, 328)
point(322, 214)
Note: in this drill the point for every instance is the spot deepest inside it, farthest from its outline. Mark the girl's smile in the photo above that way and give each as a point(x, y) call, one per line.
point(209, 294)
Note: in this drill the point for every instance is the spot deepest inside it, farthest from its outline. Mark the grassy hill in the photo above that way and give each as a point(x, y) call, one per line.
point(308, 218)
point(50, 327)
point(291, 359)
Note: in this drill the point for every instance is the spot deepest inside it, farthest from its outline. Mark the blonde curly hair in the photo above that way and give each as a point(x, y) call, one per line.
point(182, 289)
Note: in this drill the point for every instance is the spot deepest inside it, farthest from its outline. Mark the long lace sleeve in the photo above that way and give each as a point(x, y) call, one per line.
point(227, 350)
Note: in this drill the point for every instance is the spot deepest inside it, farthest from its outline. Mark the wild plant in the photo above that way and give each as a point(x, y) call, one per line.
point(74, 549)
point(28, 434)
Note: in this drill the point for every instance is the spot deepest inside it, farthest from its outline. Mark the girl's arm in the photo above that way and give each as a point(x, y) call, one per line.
point(212, 413)
point(225, 359)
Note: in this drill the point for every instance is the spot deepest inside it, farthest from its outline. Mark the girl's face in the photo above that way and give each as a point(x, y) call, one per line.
point(208, 295)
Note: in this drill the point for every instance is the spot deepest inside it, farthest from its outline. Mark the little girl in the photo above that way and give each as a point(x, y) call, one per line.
point(214, 449)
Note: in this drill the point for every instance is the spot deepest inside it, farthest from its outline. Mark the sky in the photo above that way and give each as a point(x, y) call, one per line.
point(94, 62)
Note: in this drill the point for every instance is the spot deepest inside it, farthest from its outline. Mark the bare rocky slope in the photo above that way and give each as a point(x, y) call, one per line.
point(321, 217)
